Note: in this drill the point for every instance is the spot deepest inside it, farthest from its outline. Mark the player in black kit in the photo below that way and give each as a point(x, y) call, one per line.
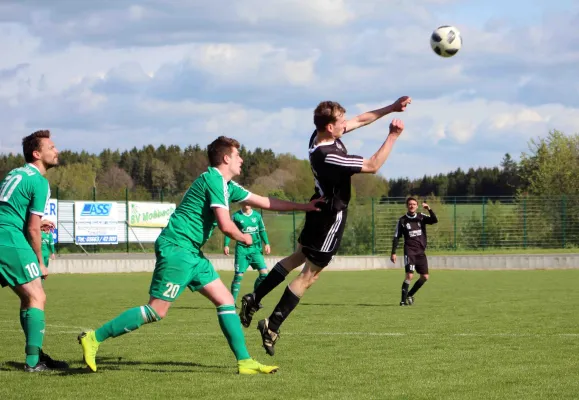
point(320, 238)
point(412, 226)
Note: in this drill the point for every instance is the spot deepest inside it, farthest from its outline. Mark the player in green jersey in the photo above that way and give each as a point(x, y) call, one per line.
point(250, 222)
point(24, 193)
point(47, 244)
point(181, 264)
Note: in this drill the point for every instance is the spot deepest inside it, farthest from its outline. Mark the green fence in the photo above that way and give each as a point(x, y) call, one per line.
point(465, 223)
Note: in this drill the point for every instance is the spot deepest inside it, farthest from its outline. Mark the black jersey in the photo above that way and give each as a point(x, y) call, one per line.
point(333, 169)
point(413, 228)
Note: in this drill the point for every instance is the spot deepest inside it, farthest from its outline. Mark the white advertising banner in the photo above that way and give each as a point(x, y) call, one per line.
point(95, 222)
point(149, 214)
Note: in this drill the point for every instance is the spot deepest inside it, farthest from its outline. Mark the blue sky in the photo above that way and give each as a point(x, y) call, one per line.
point(119, 74)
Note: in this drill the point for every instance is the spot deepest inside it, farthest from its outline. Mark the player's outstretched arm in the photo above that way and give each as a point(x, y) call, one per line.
point(271, 203)
point(371, 116)
point(374, 163)
point(228, 227)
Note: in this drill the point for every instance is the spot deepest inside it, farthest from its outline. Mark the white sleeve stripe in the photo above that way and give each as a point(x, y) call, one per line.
point(344, 161)
point(219, 206)
point(37, 213)
point(347, 164)
point(344, 157)
point(246, 197)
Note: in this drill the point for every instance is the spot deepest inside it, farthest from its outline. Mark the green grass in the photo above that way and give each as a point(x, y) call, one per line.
point(470, 335)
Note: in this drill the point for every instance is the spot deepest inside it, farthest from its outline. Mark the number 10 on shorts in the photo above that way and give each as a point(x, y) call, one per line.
point(33, 270)
point(171, 291)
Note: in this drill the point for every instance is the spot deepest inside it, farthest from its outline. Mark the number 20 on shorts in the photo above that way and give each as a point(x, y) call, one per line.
point(172, 290)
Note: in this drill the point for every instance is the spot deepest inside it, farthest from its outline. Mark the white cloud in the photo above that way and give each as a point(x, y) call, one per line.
point(123, 73)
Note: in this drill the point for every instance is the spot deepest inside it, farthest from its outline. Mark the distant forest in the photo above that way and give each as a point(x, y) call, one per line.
point(550, 167)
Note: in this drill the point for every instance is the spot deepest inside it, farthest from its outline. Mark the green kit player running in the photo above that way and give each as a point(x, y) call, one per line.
point(24, 193)
point(181, 263)
point(47, 244)
point(250, 222)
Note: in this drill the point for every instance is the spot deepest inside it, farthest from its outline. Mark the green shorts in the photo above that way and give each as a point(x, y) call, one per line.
point(245, 259)
point(17, 266)
point(177, 268)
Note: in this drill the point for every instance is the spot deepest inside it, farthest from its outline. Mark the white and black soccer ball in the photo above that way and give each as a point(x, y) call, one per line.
point(446, 41)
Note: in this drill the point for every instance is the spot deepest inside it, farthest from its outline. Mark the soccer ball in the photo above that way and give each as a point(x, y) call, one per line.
point(446, 41)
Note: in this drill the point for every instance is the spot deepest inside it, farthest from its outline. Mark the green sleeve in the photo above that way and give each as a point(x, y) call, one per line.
point(262, 231)
point(40, 195)
point(226, 241)
point(237, 192)
point(216, 189)
point(51, 243)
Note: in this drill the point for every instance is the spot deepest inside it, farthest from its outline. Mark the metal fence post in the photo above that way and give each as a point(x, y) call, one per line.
point(525, 222)
point(127, 217)
point(373, 230)
point(294, 231)
point(483, 224)
point(564, 220)
point(455, 246)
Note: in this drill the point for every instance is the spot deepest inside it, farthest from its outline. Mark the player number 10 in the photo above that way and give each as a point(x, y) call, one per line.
point(172, 290)
point(33, 270)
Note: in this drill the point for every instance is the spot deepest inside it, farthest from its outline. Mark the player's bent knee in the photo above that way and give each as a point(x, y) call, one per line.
point(424, 277)
point(157, 308)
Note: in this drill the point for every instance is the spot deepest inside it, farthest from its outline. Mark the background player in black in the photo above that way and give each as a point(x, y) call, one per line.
point(412, 226)
point(320, 238)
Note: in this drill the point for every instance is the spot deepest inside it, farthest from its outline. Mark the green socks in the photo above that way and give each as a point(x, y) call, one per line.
point(235, 285)
point(259, 279)
point(126, 322)
point(33, 324)
point(231, 327)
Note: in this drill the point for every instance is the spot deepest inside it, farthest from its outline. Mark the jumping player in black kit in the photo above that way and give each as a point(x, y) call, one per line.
point(320, 238)
point(412, 226)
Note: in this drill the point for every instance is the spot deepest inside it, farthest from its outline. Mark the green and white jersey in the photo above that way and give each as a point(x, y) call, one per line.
point(193, 221)
point(251, 224)
point(47, 243)
point(22, 192)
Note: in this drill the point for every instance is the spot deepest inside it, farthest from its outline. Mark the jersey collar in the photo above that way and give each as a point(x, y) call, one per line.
point(33, 166)
point(411, 216)
point(247, 215)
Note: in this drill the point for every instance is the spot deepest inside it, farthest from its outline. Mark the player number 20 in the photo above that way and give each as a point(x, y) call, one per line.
point(33, 270)
point(172, 290)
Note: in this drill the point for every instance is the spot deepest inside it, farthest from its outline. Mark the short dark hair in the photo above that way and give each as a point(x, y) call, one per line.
point(31, 143)
point(326, 113)
point(410, 199)
point(220, 148)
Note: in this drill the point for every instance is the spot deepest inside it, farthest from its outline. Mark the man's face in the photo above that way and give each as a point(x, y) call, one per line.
point(338, 128)
point(48, 153)
point(235, 162)
point(412, 206)
point(245, 208)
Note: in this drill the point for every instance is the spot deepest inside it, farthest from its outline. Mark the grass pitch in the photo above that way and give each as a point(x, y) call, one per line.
point(470, 335)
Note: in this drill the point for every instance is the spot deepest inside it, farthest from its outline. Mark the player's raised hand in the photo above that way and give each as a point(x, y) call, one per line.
point(425, 206)
point(396, 127)
point(400, 104)
point(226, 250)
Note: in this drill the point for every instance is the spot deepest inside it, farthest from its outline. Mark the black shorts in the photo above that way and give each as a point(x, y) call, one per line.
point(416, 263)
point(322, 234)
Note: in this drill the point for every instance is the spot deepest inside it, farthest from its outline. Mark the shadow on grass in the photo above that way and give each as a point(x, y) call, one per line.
point(348, 305)
point(116, 364)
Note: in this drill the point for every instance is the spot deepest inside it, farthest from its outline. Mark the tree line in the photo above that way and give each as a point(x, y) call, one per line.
point(550, 167)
